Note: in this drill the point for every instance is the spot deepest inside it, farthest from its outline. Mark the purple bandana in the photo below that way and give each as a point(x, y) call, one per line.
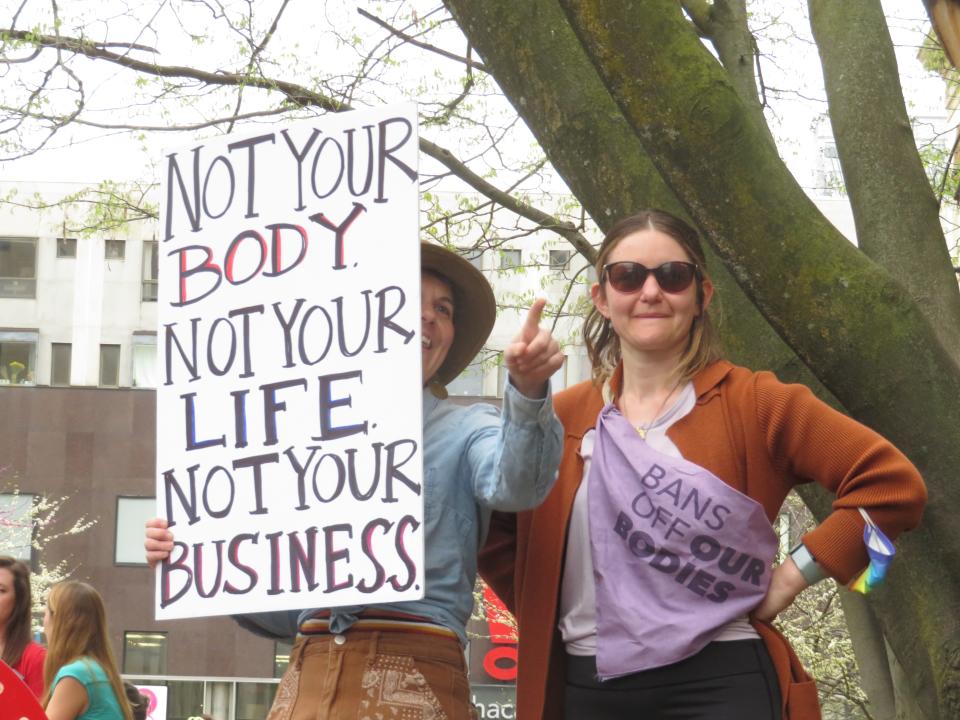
point(677, 552)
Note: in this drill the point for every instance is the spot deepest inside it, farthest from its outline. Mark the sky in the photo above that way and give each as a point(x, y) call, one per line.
point(322, 41)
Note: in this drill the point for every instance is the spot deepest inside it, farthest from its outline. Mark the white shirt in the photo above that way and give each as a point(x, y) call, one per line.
point(578, 617)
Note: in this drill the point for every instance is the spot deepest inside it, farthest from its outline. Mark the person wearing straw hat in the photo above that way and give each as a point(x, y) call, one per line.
point(406, 659)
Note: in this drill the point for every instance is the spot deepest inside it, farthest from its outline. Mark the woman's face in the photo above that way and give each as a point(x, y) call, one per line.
point(436, 320)
point(649, 320)
point(8, 596)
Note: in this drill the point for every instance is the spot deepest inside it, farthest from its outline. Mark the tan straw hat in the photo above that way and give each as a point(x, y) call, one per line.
point(475, 308)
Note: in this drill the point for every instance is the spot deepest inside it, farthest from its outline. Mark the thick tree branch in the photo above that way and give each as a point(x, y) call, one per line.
point(882, 171)
point(700, 13)
point(556, 90)
point(737, 49)
point(794, 264)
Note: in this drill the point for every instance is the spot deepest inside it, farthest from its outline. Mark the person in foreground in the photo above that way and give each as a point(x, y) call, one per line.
point(644, 585)
point(80, 674)
point(17, 648)
point(406, 659)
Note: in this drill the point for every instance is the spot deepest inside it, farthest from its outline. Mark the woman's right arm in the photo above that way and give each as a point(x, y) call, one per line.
point(68, 701)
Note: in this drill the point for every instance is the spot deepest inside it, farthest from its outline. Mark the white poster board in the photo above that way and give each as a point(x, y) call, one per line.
point(289, 407)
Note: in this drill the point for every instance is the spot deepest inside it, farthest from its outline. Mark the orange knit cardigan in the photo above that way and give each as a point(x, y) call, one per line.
point(757, 434)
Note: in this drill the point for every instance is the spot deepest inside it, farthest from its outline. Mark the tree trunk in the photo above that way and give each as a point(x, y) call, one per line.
point(555, 89)
point(894, 208)
point(908, 708)
point(871, 653)
point(860, 333)
point(847, 318)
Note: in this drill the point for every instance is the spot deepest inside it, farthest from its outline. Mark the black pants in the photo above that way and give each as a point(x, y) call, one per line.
point(725, 681)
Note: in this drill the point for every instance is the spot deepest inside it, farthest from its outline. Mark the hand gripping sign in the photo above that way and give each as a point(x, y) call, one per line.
point(289, 408)
point(16, 700)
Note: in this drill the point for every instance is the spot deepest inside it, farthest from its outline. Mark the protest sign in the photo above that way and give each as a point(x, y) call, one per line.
point(289, 422)
point(17, 702)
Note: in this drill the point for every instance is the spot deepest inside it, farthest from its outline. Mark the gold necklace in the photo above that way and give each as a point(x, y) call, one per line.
point(643, 428)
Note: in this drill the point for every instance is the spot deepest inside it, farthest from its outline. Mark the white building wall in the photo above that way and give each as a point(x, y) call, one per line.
point(87, 300)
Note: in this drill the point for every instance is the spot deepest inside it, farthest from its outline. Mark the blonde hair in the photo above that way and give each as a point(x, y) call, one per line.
point(603, 343)
point(78, 629)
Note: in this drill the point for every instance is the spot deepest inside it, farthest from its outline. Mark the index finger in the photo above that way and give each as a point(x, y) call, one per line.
point(532, 323)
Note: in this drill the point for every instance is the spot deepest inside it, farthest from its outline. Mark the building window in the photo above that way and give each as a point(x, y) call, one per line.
point(144, 351)
point(281, 657)
point(60, 363)
point(18, 355)
point(469, 382)
point(114, 249)
point(472, 255)
point(132, 515)
point(254, 700)
point(509, 259)
point(109, 365)
point(185, 699)
point(16, 525)
point(66, 247)
point(559, 259)
point(144, 652)
point(148, 291)
point(18, 267)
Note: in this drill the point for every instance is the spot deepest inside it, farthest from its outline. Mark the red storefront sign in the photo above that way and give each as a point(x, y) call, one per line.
point(493, 655)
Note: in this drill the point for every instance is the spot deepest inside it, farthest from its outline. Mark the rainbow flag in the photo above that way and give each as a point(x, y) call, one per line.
point(881, 552)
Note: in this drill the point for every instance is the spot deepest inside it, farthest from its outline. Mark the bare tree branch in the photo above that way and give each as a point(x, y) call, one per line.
point(258, 50)
point(566, 230)
point(470, 63)
point(296, 93)
point(302, 96)
point(153, 128)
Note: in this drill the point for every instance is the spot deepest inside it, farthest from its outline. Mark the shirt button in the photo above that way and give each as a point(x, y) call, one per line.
point(339, 639)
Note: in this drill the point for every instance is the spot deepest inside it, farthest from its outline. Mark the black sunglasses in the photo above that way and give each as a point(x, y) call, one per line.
point(629, 277)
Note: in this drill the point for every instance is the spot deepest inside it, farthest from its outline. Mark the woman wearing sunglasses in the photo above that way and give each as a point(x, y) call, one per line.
point(644, 585)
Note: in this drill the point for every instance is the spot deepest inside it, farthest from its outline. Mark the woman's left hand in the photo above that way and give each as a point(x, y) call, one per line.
point(533, 356)
point(785, 585)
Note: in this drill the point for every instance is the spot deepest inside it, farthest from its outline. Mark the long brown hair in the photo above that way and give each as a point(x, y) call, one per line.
point(603, 343)
point(78, 629)
point(16, 635)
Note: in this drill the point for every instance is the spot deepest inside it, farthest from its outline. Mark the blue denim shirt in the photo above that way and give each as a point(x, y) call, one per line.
point(475, 461)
